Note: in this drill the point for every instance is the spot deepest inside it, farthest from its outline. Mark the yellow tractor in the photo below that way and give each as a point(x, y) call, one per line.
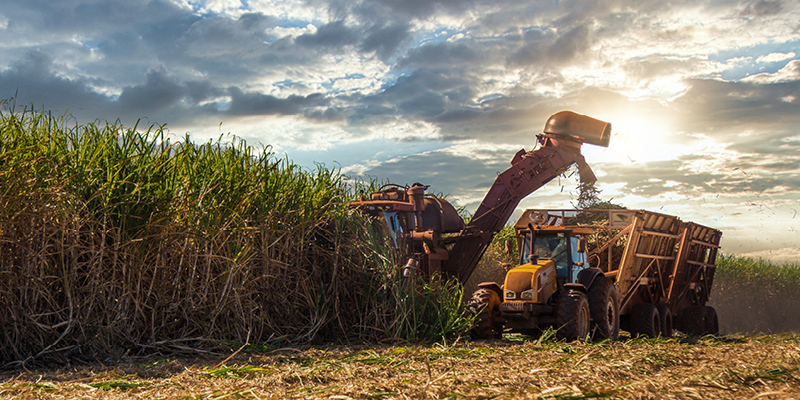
point(553, 286)
point(593, 271)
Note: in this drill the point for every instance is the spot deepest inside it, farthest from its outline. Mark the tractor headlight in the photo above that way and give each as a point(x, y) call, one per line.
point(529, 294)
point(510, 295)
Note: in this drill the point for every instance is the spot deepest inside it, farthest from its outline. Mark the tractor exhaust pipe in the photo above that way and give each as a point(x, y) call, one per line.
point(578, 127)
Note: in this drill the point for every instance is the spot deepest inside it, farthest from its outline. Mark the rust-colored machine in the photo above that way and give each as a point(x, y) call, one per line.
point(428, 231)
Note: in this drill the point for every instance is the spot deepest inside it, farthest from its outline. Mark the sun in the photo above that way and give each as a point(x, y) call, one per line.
point(638, 138)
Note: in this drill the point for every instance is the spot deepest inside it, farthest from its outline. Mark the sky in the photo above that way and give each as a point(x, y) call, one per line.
point(703, 96)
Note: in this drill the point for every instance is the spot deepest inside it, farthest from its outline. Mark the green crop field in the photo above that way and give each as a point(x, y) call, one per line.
point(120, 240)
point(136, 265)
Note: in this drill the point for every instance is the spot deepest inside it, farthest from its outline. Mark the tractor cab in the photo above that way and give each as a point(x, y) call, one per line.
point(565, 248)
point(558, 256)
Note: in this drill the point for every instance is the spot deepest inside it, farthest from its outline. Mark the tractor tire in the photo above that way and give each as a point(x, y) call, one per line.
point(604, 309)
point(693, 320)
point(645, 320)
point(666, 320)
point(485, 306)
point(572, 316)
point(712, 321)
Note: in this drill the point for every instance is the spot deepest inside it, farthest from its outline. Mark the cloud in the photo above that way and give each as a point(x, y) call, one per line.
point(784, 255)
point(158, 93)
point(445, 54)
point(763, 8)
point(465, 180)
point(789, 73)
point(776, 57)
point(569, 45)
point(384, 40)
point(334, 34)
point(721, 108)
point(243, 103)
point(704, 96)
point(32, 78)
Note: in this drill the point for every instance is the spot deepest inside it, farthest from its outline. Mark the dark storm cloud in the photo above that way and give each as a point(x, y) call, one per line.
point(445, 54)
point(550, 48)
point(438, 86)
point(165, 61)
point(369, 113)
point(200, 91)
point(80, 16)
point(396, 10)
point(425, 105)
point(31, 78)
point(158, 94)
point(384, 40)
point(334, 34)
point(227, 50)
point(260, 104)
point(419, 95)
point(569, 45)
point(420, 8)
point(160, 98)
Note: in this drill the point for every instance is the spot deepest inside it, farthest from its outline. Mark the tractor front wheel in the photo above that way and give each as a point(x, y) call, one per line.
point(572, 316)
point(485, 307)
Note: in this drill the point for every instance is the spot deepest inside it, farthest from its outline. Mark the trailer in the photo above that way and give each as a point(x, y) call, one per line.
point(662, 268)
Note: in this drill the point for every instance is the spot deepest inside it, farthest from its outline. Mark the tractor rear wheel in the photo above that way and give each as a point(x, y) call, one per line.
point(604, 307)
point(645, 320)
point(572, 316)
point(666, 320)
point(485, 306)
point(693, 320)
point(712, 321)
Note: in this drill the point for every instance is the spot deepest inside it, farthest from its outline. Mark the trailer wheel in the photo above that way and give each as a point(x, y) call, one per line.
point(572, 316)
point(604, 307)
point(693, 320)
point(666, 320)
point(645, 320)
point(712, 322)
point(485, 306)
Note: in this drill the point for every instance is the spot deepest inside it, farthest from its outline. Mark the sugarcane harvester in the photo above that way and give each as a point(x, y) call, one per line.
point(431, 237)
point(634, 270)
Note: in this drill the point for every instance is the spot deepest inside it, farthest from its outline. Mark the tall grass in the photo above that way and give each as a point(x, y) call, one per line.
point(755, 295)
point(489, 267)
point(116, 239)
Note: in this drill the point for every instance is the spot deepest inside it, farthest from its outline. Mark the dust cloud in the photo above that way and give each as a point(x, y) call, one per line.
point(750, 308)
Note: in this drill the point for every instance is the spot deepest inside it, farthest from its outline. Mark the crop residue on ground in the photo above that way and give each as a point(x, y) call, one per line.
point(729, 367)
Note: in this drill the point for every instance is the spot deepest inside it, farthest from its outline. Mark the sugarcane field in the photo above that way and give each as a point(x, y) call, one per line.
point(138, 266)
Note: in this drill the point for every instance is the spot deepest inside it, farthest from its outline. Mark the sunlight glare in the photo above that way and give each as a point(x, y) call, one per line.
point(637, 138)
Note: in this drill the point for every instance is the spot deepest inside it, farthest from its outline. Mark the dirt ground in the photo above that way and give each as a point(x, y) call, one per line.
point(744, 367)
